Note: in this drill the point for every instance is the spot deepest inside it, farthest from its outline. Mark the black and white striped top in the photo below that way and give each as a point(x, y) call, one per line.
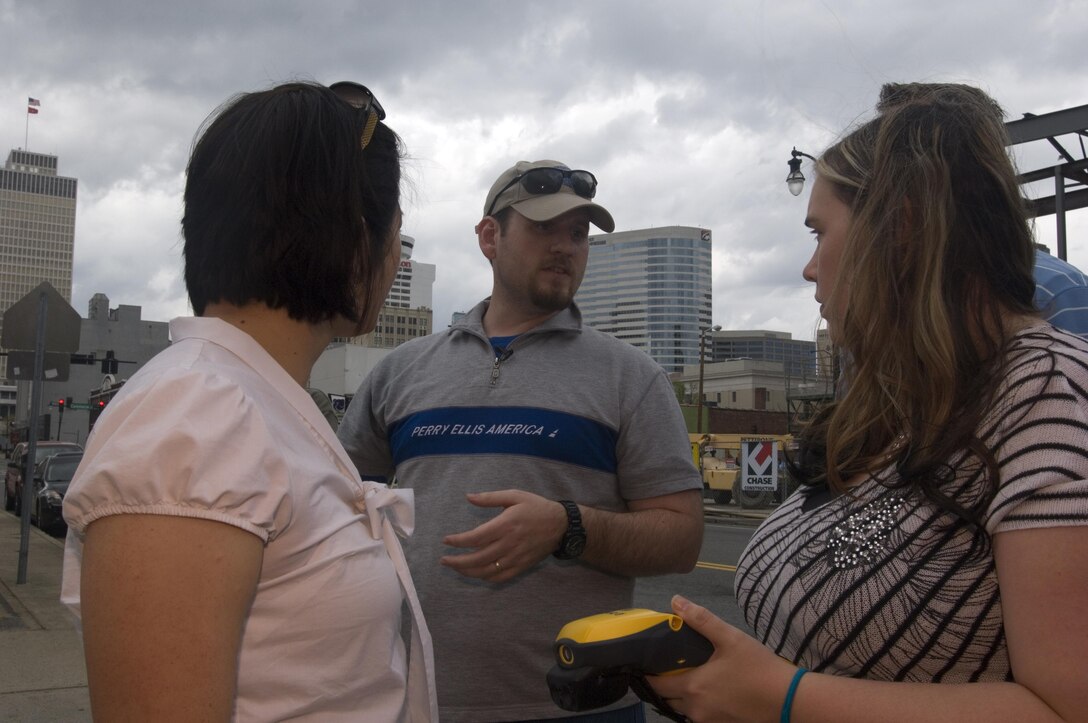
point(882, 584)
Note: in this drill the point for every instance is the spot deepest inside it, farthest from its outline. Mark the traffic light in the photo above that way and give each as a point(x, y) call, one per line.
point(96, 408)
point(60, 405)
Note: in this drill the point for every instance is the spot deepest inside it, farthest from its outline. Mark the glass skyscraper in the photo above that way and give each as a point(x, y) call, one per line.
point(651, 288)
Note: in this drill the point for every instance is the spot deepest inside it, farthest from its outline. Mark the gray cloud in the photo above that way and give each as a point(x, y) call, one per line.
point(686, 111)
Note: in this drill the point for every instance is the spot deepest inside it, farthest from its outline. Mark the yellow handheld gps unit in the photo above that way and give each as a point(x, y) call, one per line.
point(599, 657)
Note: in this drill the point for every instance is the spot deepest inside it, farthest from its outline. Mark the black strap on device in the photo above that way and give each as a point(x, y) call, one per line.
point(643, 690)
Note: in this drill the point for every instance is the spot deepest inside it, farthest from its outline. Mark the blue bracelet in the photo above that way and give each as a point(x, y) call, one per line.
point(787, 704)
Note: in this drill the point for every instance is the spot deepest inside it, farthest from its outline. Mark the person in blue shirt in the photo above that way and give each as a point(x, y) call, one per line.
point(1061, 292)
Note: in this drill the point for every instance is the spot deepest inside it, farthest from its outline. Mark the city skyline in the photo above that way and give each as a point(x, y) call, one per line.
point(686, 114)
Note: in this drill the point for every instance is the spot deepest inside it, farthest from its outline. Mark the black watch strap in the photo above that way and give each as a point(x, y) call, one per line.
point(573, 541)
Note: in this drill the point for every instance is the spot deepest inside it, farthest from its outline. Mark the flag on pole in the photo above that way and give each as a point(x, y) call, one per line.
point(32, 105)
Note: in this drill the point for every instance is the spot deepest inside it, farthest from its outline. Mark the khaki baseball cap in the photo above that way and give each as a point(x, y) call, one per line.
point(508, 192)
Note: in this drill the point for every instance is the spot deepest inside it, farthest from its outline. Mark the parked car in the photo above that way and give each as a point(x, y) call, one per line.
point(50, 483)
point(13, 480)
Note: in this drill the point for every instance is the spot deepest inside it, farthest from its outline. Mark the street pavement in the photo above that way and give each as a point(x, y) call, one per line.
point(42, 674)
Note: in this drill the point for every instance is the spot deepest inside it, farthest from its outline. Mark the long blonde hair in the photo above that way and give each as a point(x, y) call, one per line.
point(938, 253)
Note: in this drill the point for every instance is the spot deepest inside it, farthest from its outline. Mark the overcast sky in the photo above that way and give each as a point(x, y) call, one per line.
point(686, 112)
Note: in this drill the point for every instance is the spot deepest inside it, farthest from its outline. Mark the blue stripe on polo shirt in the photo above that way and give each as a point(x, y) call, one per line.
point(527, 431)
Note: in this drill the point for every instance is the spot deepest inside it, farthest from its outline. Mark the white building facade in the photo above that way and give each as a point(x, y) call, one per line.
point(737, 384)
point(413, 288)
point(408, 311)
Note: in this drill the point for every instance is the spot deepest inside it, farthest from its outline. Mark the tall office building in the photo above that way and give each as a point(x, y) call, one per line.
point(652, 288)
point(37, 229)
point(414, 285)
point(408, 310)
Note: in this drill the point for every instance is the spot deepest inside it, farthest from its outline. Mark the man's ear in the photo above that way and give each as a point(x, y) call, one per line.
point(487, 233)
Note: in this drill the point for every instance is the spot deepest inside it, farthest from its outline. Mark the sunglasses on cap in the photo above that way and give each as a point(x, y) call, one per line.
point(544, 181)
point(359, 96)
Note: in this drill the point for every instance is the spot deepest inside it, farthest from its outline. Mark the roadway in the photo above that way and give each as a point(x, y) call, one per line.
point(711, 582)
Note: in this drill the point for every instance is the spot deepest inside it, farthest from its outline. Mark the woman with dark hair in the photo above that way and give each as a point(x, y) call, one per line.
point(940, 535)
point(225, 559)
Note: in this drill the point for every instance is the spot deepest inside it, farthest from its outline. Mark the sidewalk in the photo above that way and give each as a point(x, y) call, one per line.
point(42, 675)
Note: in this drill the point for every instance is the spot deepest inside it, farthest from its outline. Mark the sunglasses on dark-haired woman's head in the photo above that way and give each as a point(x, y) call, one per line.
point(359, 96)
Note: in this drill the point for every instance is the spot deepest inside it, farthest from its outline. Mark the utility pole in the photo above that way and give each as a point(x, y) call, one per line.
point(702, 360)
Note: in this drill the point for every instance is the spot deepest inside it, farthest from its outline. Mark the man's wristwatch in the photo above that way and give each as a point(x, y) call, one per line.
point(574, 539)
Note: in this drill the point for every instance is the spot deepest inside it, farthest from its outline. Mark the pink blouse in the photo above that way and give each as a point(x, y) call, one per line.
point(214, 428)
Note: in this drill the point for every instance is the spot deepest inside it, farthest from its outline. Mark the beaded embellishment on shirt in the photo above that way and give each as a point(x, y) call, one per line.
point(859, 539)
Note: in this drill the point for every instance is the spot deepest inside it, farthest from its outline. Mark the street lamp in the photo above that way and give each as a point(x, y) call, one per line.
point(796, 180)
point(702, 358)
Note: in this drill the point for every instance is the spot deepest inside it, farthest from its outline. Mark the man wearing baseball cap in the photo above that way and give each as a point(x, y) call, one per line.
point(550, 461)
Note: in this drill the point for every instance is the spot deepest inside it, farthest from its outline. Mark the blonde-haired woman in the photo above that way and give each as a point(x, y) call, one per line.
point(932, 566)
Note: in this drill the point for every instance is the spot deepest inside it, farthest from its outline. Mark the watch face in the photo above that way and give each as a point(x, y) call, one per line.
point(574, 546)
